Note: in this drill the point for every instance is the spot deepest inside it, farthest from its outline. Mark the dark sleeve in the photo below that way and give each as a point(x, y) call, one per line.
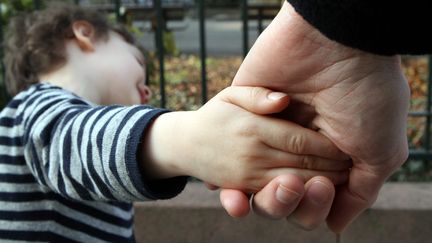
point(380, 27)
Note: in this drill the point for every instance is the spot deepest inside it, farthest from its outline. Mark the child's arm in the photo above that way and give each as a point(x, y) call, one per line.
point(89, 153)
point(227, 146)
point(84, 152)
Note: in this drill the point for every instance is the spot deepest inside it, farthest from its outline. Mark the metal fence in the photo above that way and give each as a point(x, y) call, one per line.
point(257, 12)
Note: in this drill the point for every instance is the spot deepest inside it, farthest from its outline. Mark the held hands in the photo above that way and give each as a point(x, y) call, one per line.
point(226, 145)
point(358, 100)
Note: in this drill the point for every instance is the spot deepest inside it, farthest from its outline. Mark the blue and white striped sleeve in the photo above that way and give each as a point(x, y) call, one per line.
point(86, 152)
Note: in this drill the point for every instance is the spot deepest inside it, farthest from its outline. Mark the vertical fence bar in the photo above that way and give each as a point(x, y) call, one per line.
point(4, 96)
point(37, 4)
point(160, 49)
point(428, 107)
point(203, 51)
point(117, 9)
point(1, 54)
point(244, 13)
point(260, 20)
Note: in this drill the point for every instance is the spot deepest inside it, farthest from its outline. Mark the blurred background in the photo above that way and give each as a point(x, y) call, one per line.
point(194, 48)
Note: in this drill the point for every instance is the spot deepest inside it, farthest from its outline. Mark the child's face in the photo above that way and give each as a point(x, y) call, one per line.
point(120, 72)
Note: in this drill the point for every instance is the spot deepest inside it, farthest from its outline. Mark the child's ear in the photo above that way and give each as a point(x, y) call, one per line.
point(84, 35)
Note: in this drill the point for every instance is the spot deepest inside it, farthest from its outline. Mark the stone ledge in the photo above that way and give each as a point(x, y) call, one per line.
point(402, 213)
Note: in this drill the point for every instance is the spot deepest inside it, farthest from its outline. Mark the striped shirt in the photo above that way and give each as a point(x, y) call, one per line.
point(68, 169)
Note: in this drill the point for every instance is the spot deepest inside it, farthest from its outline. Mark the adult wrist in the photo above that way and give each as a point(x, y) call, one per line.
point(290, 27)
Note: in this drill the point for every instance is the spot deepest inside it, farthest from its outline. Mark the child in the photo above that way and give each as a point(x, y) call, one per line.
point(76, 148)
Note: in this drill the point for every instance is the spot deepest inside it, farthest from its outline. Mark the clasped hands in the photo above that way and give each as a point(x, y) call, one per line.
point(356, 99)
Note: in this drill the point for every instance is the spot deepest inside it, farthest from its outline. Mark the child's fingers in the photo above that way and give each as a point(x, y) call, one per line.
point(257, 100)
point(211, 186)
point(235, 202)
point(279, 198)
point(290, 137)
point(336, 177)
point(311, 162)
point(315, 205)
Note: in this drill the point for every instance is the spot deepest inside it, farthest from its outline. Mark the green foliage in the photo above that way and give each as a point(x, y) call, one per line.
point(9, 8)
point(169, 44)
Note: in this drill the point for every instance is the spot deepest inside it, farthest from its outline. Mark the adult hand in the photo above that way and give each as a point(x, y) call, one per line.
point(358, 100)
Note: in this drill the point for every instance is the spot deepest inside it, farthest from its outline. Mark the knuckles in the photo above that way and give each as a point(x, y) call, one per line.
point(296, 143)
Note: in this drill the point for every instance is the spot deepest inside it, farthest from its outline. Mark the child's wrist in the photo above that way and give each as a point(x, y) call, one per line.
point(161, 151)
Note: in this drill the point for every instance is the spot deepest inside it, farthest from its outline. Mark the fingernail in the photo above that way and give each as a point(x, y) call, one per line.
point(319, 193)
point(285, 195)
point(276, 95)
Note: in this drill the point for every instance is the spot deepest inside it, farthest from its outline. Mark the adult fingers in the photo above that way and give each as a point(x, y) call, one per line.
point(290, 137)
point(315, 204)
point(354, 197)
point(280, 197)
point(336, 177)
point(235, 202)
point(257, 100)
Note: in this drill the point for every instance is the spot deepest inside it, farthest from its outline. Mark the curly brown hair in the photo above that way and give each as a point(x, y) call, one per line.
point(35, 42)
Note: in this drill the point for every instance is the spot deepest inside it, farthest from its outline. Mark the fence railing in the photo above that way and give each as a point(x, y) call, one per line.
point(256, 12)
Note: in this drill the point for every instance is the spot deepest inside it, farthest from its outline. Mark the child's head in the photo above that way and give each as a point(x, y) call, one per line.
point(66, 41)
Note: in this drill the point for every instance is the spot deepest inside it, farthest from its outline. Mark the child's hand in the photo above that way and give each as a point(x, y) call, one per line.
point(230, 147)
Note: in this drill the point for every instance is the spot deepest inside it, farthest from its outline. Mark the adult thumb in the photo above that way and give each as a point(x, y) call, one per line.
point(257, 100)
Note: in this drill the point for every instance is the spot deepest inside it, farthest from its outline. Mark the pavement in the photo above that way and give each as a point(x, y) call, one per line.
point(401, 214)
point(223, 37)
